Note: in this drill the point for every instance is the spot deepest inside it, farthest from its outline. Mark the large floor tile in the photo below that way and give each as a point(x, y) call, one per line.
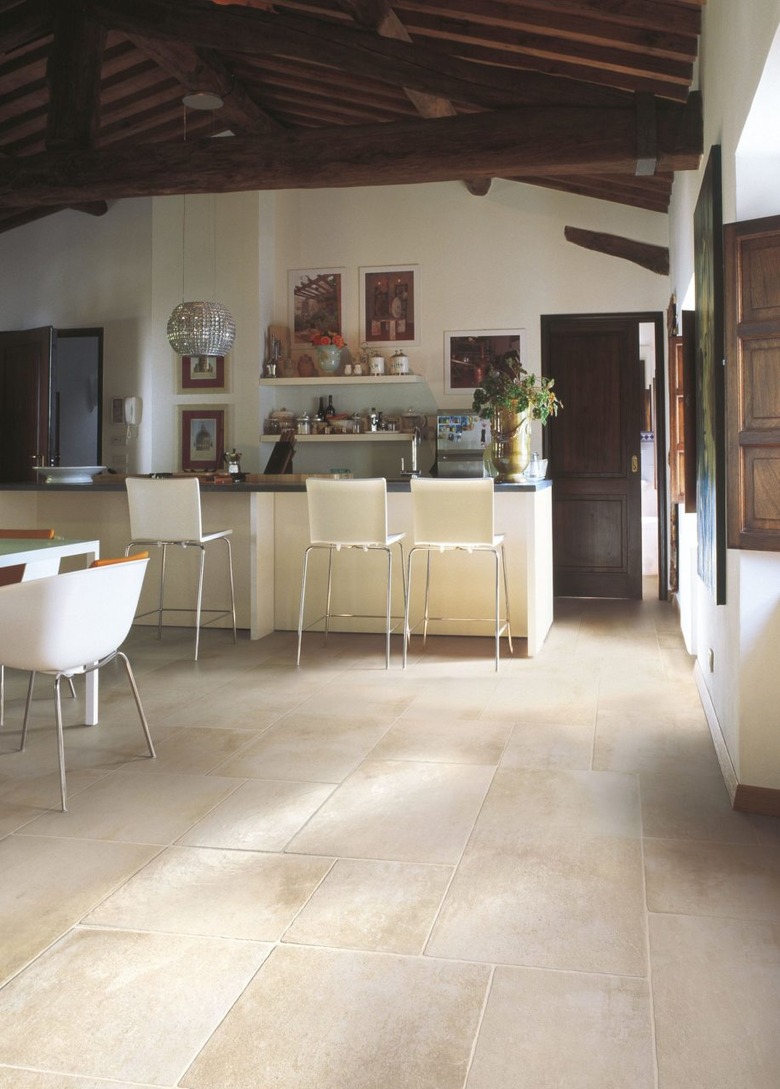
point(399, 810)
point(189, 751)
point(49, 884)
point(222, 894)
point(136, 808)
point(445, 739)
point(682, 806)
point(549, 745)
point(653, 742)
point(535, 699)
point(127, 1006)
point(382, 906)
point(549, 903)
point(317, 748)
point(546, 1030)
point(716, 985)
point(16, 1078)
point(332, 1019)
point(260, 815)
point(724, 879)
point(533, 803)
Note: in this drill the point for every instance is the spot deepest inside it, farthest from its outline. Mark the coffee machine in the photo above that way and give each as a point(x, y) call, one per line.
point(461, 441)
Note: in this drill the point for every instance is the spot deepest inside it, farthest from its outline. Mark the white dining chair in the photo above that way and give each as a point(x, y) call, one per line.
point(166, 513)
point(349, 514)
point(69, 624)
point(456, 514)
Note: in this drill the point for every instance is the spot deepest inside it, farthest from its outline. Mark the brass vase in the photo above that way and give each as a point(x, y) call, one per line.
point(510, 446)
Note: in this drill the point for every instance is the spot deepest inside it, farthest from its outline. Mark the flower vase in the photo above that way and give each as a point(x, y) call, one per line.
point(328, 358)
point(510, 445)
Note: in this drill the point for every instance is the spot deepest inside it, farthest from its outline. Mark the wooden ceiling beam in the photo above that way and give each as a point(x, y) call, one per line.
point(654, 258)
point(514, 143)
point(19, 27)
point(73, 76)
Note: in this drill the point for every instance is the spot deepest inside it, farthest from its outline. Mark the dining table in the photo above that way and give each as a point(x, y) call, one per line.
point(41, 558)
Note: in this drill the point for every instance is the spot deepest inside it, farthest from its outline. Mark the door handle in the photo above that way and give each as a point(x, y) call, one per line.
point(634, 463)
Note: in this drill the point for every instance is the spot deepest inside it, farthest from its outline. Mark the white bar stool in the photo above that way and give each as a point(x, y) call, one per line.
point(168, 512)
point(456, 515)
point(349, 514)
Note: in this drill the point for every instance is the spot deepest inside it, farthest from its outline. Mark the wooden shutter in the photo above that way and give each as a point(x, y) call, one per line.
point(752, 320)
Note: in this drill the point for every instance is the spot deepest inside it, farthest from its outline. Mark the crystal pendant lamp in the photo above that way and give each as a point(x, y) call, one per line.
point(201, 328)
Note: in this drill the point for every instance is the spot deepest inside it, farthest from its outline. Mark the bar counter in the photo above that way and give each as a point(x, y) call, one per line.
point(270, 532)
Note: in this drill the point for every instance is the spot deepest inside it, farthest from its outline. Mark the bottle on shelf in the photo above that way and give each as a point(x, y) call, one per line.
point(319, 416)
point(330, 410)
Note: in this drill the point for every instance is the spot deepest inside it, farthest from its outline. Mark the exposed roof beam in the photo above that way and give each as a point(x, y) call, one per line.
point(513, 143)
point(73, 76)
point(654, 258)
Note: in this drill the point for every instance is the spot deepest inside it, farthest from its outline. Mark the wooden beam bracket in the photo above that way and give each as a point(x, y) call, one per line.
point(646, 136)
point(654, 258)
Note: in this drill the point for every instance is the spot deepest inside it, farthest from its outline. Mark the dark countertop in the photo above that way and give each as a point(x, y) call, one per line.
point(277, 485)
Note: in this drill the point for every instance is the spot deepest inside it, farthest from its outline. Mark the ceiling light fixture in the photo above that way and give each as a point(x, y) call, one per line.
point(203, 100)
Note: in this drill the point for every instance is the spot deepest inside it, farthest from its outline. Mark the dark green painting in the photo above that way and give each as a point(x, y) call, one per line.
point(710, 382)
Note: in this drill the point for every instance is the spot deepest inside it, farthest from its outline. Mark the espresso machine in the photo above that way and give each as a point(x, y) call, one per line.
point(461, 441)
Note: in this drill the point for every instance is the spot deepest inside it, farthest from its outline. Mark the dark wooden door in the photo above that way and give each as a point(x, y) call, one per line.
point(594, 455)
point(25, 400)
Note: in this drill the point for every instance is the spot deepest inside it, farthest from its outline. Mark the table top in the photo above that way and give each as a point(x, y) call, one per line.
point(17, 550)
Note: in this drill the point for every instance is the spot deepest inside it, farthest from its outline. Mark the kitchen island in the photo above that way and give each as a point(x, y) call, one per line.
point(270, 532)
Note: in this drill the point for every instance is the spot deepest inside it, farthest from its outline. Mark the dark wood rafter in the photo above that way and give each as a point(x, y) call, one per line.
point(654, 258)
point(588, 97)
point(514, 142)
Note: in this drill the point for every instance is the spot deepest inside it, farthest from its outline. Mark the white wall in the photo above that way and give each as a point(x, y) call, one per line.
point(743, 634)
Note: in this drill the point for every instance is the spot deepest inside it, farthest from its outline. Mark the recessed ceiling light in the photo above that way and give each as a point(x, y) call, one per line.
point(203, 100)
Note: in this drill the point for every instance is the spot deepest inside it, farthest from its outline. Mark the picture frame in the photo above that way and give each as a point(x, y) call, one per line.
point(315, 303)
point(468, 353)
point(201, 372)
point(390, 304)
point(202, 441)
point(710, 381)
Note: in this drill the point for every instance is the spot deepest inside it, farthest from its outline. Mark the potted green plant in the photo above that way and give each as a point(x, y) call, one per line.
point(511, 398)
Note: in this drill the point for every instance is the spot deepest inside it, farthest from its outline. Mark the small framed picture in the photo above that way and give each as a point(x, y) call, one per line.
point(198, 372)
point(469, 355)
point(202, 437)
point(316, 303)
point(390, 304)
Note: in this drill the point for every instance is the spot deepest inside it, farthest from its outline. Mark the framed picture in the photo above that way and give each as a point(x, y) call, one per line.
point(390, 304)
point(202, 437)
point(469, 355)
point(198, 372)
point(316, 302)
point(710, 382)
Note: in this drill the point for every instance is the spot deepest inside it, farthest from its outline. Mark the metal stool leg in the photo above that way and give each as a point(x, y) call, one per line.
point(506, 600)
point(328, 595)
point(303, 599)
point(199, 602)
point(232, 587)
point(162, 592)
point(60, 740)
point(388, 605)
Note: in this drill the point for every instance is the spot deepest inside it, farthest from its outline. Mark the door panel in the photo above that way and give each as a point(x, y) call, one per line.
point(25, 394)
point(593, 451)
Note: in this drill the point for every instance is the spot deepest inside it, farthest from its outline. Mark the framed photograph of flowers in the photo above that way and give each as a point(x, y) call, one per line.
point(200, 372)
point(202, 437)
point(390, 304)
point(468, 355)
point(316, 301)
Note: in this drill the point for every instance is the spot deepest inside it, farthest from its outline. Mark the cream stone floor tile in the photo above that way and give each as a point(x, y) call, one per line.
point(22, 800)
point(352, 701)
point(652, 745)
point(16, 1078)
point(399, 810)
point(533, 803)
point(681, 806)
point(192, 751)
point(218, 893)
point(716, 994)
point(445, 739)
point(767, 829)
point(316, 748)
point(571, 903)
point(466, 699)
point(549, 745)
point(540, 699)
point(136, 808)
point(123, 1005)
point(387, 907)
point(605, 1021)
point(49, 884)
point(337, 1019)
point(722, 879)
point(259, 815)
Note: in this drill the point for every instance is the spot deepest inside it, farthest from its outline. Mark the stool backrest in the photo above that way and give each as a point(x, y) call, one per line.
point(347, 511)
point(452, 511)
point(164, 510)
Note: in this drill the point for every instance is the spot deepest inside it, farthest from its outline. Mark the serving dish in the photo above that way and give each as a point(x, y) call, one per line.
point(69, 474)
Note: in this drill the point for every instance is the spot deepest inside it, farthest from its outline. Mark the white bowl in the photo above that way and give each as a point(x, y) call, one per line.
point(69, 474)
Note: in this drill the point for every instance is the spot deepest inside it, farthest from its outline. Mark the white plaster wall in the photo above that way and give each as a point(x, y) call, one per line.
point(736, 41)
